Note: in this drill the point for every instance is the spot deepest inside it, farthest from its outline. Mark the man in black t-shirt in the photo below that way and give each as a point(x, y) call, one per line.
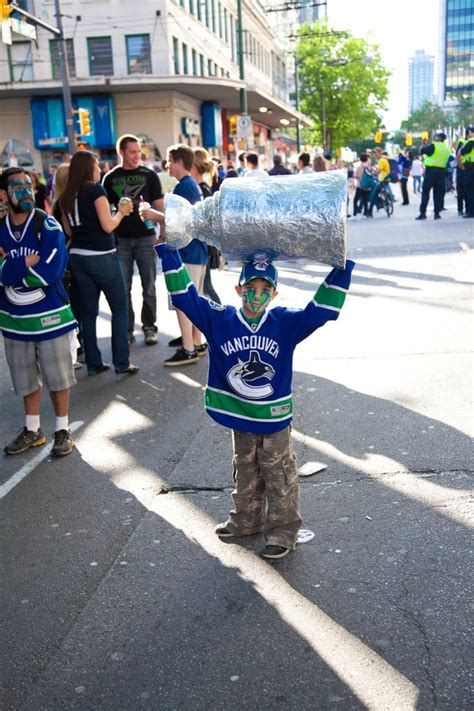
point(135, 241)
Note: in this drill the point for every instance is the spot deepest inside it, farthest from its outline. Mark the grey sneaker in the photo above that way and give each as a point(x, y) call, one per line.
point(63, 443)
point(150, 337)
point(24, 440)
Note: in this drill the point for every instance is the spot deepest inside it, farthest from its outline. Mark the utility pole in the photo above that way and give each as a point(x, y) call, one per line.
point(297, 106)
point(63, 61)
point(240, 52)
point(59, 34)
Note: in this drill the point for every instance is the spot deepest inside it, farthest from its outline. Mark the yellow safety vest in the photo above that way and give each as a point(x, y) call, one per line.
point(469, 157)
point(440, 157)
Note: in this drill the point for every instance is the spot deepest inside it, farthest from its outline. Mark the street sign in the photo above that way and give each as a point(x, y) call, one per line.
point(7, 32)
point(244, 126)
point(23, 28)
point(53, 141)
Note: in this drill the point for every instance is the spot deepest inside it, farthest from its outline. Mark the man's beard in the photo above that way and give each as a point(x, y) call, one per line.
point(18, 210)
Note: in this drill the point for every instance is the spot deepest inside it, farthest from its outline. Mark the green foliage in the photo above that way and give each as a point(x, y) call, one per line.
point(430, 117)
point(343, 84)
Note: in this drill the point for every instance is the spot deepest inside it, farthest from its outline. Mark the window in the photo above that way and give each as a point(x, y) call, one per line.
point(191, 6)
point(209, 67)
point(206, 11)
point(20, 60)
point(226, 29)
point(185, 59)
point(219, 10)
point(194, 62)
point(232, 37)
point(201, 65)
point(100, 56)
point(54, 54)
point(176, 55)
point(213, 15)
point(138, 54)
point(198, 9)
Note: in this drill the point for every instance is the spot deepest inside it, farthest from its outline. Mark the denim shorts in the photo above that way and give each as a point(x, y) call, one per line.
point(33, 362)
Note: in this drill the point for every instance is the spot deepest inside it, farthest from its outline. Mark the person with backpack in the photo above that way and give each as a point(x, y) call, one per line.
point(365, 181)
point(36, 320)
point(383, 173)
point(405, 161)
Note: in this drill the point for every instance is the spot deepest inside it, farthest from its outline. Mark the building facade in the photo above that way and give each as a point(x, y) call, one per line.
point(456, 52)
point(420, 80)
point(166, 70)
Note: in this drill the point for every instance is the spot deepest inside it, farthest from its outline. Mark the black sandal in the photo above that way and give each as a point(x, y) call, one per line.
point(129, 370)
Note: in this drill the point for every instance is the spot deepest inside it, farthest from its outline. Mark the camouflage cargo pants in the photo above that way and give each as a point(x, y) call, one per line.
point(267, 495)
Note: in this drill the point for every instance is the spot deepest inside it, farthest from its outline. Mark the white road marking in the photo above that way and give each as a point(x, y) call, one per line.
point(32, 464)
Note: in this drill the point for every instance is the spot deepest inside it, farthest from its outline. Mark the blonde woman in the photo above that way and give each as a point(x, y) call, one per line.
point(204, 171)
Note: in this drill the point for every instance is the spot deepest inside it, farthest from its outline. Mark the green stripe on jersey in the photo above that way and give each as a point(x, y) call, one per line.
point(41, 323)
point(33, 281)
point(235, 407)
point(177, 281)
point(327, 296)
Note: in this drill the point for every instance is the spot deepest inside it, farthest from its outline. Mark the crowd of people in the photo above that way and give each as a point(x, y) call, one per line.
point(102, 222)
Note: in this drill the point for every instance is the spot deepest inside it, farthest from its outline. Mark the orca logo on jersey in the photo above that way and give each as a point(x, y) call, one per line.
point(243, 374)
point(19, 296)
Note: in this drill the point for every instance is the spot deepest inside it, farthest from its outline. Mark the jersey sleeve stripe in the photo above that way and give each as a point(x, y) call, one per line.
point(327, 296)
point(178, 281)
point(39, 277)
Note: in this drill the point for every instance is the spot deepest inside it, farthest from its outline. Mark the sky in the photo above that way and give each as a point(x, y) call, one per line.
point(399, 27)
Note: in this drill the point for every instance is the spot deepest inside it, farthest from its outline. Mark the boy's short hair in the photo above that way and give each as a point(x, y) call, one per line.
point(258, 270)
point(305, 158)
point(182, 152)
point(252, 158)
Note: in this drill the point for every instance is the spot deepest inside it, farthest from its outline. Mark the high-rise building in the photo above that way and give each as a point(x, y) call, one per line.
point(420, 79)
point(456, 51)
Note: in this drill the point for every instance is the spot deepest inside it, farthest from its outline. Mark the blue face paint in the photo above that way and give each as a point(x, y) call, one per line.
point(21, 195)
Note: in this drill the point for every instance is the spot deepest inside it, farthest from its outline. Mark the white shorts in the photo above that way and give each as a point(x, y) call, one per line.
point(196, 272)
point(33, 362)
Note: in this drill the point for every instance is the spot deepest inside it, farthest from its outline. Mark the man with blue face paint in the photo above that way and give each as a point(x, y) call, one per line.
point(249, 389)
point(35, 317)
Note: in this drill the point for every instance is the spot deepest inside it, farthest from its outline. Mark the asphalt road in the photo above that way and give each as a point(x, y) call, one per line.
point(116, 593)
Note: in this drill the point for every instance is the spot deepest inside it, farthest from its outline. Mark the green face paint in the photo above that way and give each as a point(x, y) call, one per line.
point(255, 303)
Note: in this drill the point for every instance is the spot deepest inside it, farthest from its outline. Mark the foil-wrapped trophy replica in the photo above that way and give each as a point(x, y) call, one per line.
point(276, 217)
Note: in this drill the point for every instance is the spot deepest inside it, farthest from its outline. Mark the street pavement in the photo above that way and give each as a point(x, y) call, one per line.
point(116, 592)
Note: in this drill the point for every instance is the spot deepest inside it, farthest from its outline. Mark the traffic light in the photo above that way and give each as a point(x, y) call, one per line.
point(85, 128)
point(232, 125)
point(378, 137)
point(5, 9)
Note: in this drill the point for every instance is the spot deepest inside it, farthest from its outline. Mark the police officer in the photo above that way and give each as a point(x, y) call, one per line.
point(435, 158)
point(460, 190)
point(467, 158)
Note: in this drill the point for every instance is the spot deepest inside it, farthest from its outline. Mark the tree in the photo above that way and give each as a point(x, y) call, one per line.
point(428, 117)
point(343, 84)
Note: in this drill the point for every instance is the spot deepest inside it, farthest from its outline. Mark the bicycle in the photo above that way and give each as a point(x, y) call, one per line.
point(384, 200)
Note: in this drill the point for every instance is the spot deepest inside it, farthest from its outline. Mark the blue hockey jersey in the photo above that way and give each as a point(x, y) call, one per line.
point(251, 369)
point(33, 303)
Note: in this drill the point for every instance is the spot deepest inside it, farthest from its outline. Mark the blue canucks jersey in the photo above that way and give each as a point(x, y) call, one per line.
point(251, 365)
